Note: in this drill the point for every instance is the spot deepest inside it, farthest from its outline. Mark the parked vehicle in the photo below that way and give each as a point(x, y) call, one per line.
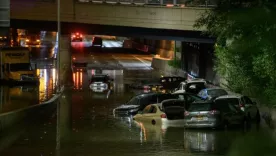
point(192, 86)
point(147, 84)
point(210, 93)
point(209, 114)
point(139, 102)
point(150, 114)
point(169, 112)
point(101, 83)
point(171, 82)
point(76, 37)
point(16, 65)
point(243, 103)
point(97, 42)
point(32, 40)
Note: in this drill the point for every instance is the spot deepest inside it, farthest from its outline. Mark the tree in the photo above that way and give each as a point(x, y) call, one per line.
point(246, 45)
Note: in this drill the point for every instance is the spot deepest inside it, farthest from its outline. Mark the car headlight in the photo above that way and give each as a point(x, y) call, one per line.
point(134, 110)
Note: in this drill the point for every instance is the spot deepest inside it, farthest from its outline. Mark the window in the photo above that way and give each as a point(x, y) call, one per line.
point(192, 98)
point(133, 101)
point(232, 101)
point(247, 100)
point(196, 107)
point(217, 92)
point(147, 109)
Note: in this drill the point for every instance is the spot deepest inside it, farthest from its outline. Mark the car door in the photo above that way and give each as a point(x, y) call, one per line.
point(250, 107)
point(150, 113)
point(237, 116)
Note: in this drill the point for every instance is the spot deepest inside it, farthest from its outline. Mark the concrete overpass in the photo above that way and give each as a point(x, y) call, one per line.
point(143, 16)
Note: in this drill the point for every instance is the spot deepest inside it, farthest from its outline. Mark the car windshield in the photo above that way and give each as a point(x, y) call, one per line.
point(196, 107)
point(216, 92)
point(99, 79)
point(134, 101)
point(232, 101)
point(20, 67)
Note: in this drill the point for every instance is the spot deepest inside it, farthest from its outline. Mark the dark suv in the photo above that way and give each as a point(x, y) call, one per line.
point(139, 102)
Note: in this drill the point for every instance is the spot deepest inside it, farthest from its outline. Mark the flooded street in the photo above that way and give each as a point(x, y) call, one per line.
point(84, 125)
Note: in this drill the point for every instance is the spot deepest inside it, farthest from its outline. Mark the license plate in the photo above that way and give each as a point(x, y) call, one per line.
point(153, 88)
point(199, 118)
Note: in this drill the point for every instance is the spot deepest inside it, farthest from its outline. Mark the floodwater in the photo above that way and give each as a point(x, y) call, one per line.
point(84, 125)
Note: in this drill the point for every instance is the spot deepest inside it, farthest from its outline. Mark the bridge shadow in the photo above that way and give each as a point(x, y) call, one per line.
point(118, 50)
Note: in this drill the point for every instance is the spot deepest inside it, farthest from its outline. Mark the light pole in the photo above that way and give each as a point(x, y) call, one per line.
point(58, 50)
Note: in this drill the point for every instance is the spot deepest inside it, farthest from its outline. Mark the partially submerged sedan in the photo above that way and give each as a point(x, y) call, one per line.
point(168, 113)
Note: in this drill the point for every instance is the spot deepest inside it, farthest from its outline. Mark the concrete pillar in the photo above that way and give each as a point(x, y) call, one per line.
point(202, 60)
point(4, 14)
point(65, 62)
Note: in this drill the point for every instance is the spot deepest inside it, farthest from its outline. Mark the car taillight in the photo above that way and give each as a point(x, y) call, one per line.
point(186, 113)
point(146, 87)
point(213, 112)
point(241, 105)
point(163, 116)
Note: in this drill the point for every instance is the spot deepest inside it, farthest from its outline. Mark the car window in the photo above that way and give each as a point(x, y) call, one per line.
point(133, 101)
point(233, 101)
point(153, 109)
point(147, 109)
point(192, 98)
point(232, 108)
point(247, 100)
point(196, 107)
point(216, 92)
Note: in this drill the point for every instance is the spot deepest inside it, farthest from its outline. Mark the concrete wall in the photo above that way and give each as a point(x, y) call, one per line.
point(7, 120)
point(4, 13)
point(104, 14)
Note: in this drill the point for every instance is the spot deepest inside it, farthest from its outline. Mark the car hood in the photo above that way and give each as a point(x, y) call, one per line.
point(128, 107)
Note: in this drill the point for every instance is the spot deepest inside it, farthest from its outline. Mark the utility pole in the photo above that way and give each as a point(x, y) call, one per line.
point(58, 50)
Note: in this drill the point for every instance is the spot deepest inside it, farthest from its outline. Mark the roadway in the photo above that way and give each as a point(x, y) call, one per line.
point(84, 124)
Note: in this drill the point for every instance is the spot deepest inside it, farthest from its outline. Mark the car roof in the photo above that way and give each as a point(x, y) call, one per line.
point(194, 80)
point(237, 96)
point(100, 75)
point(202, 101)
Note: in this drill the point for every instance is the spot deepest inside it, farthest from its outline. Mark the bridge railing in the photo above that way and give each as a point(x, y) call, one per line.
point(168, 3)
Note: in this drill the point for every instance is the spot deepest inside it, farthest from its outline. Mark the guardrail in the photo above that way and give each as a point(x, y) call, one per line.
point(9, 119)
point(168, 3)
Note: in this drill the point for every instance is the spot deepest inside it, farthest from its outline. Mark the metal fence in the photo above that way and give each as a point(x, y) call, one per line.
point(169, 3)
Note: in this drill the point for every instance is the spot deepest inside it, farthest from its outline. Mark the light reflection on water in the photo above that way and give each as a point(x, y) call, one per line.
point(17, 97)
point(47, 83)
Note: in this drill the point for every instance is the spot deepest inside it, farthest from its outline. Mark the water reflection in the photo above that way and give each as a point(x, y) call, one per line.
point(17, 97)
point(47, 83)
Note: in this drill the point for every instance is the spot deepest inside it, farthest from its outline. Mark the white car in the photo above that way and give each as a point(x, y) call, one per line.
point(195, 85)
point(169, 113)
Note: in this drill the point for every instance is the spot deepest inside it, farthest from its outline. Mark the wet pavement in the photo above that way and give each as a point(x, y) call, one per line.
point(84, 125)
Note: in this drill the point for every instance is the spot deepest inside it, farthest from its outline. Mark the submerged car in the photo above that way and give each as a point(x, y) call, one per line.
point(210, 114)
point(139, 102)
point(242, 103)
point(101, 83)
point(193, 86)
point(210, 93)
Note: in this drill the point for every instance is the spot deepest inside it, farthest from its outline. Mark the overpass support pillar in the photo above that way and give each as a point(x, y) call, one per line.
point(65, 61)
